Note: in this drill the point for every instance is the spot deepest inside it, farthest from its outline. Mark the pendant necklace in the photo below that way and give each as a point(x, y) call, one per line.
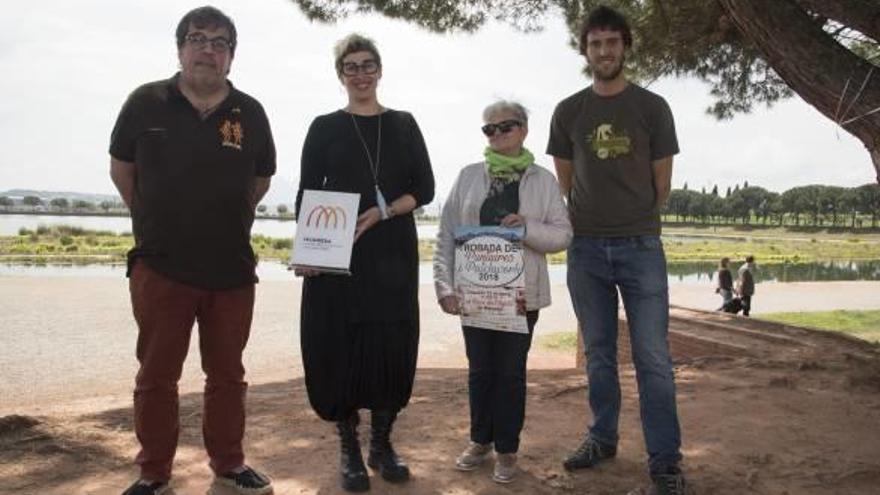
point(374, 165)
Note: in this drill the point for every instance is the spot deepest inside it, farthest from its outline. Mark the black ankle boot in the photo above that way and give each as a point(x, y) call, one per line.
point(382, 456)
point(352, 472)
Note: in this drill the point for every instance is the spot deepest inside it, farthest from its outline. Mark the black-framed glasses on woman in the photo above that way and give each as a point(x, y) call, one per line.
point(366, 67)
point(504, 126)
point(200, 41)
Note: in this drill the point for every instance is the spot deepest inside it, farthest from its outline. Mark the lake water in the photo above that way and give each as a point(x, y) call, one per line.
point(817, 271)
point(10, 225)
point(688, 272)
point(679, 273)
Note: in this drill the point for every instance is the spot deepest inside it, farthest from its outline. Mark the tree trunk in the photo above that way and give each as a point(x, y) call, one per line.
point(814, 65)
point(875, 157)
point(861, 15)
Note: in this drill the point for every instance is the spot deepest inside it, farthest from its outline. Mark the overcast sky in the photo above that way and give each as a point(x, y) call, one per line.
point(68, 66)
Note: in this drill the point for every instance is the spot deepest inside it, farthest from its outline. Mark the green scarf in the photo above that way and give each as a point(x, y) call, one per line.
point(508, 165)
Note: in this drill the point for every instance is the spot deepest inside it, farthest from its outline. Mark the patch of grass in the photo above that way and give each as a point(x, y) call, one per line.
point(559, 341)
point(281, 244)
point(772, 232)
point(557, 258)
point(45, 240)
point(862, 324)
point(63, 243)
point(775, 251)
point(426, 250)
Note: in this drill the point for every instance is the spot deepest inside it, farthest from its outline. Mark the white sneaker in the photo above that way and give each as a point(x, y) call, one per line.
point(505, 468)
point(473, 456)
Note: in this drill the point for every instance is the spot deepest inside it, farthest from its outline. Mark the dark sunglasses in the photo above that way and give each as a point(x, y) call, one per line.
point(503, 126)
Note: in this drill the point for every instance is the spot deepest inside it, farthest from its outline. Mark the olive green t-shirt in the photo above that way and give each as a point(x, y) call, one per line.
point(611, 142)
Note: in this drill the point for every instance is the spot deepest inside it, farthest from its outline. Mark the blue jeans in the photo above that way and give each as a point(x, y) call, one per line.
point(597, 268)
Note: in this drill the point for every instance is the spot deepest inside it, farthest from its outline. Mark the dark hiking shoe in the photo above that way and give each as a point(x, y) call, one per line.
point(247, 482)
point(588, 454)
point(671, 483)
point(155, 488)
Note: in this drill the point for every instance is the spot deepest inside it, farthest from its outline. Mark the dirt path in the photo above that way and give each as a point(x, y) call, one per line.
point(67, 343)
point(765, 409)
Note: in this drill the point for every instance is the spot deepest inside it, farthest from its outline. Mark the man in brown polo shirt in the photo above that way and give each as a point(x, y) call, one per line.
point(192, 156)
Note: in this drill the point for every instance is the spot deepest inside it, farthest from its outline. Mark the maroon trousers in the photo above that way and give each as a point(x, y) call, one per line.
point(165, 311)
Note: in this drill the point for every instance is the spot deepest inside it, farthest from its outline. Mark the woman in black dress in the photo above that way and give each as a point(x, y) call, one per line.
point(360, 333)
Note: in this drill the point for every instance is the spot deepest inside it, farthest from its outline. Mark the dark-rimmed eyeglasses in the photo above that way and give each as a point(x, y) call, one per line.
point(504, 126)
point(366, 67)
point(200, 41)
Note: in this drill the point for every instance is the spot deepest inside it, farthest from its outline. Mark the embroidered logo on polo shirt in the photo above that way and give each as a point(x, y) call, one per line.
point(232, 134)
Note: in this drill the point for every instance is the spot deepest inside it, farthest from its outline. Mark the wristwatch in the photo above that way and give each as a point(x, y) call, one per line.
point(389, 212)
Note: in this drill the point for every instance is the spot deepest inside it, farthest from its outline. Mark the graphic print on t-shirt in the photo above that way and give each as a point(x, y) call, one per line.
point(607, 143)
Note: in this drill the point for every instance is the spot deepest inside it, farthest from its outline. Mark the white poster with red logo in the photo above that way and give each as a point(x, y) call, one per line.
point(325, 231)
point(490, 278)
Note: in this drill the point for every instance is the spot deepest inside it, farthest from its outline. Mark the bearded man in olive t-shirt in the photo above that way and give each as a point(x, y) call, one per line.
point(612, 145)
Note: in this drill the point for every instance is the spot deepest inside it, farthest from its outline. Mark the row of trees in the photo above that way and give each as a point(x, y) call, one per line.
point(62, 204)
point(79, 205)
point(281, 209)
point(814, 205)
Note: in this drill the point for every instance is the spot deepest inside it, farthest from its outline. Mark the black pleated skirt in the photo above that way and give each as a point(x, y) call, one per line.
point(360, 333)
point(352, 365)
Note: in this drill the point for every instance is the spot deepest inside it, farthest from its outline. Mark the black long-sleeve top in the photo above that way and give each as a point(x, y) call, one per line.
point(384, 281)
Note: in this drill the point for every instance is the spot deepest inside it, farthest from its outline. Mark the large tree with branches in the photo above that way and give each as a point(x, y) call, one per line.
point(749, 51)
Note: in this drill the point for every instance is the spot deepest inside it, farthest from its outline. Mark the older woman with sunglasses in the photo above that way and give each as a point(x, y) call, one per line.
point(507, 189)
point(360, 333)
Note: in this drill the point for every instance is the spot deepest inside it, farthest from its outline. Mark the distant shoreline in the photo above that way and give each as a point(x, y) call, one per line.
point(117, 214)
point(716, 230)
point(68, 213)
